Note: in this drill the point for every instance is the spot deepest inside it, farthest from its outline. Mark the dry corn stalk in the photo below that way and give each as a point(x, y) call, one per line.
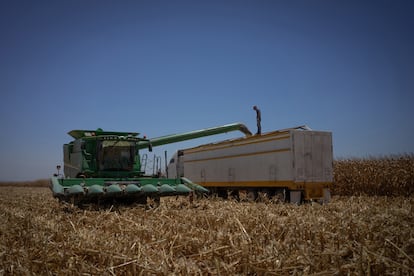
point(350, 236)
point(390, 175)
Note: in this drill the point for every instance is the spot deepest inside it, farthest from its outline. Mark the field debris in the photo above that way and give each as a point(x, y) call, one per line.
point(349, 236)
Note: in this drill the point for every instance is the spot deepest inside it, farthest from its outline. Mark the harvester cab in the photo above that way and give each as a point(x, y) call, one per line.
point(103, 154)
point(105, 166)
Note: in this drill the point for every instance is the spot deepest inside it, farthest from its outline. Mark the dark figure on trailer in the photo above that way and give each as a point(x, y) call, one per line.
point(258, 119)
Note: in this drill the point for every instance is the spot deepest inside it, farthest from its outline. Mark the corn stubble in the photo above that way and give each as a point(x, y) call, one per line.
point(349, 236)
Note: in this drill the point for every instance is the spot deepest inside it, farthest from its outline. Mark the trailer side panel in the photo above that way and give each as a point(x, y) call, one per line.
point(295, 160)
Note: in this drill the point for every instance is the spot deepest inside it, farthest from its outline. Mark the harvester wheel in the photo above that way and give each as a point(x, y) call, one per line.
point(153, 202)
point(141, 200)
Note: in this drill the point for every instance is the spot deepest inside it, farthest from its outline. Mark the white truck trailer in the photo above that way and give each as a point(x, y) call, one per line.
point(294, 164)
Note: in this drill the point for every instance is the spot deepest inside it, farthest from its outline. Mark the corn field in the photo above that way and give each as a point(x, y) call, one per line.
point(385, 176)
point(367, 229)
point(349, 236)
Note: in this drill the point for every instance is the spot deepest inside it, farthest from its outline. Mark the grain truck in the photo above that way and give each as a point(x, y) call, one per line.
point(294, 165)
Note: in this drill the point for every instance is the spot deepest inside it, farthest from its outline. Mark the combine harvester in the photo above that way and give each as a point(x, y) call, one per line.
point(294, 164)
point(105, 167)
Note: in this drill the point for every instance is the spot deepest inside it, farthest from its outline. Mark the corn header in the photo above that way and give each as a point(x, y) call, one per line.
point(105, 166)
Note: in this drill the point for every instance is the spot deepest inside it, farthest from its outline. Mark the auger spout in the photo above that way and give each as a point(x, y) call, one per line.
point(173, 138)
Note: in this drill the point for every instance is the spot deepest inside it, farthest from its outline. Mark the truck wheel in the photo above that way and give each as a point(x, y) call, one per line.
point(222, 193)
point(252, 195)
point(296, 197)
point(265, 195)
point(280, 195)
point(234, 194)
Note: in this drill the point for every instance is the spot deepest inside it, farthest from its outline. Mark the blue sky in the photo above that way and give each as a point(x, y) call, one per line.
point(164, 67)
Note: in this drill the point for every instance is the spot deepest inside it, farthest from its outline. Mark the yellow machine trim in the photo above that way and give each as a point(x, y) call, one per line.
point(249, 184)
point(239, 155)
point(239, 142)
point(311, 190)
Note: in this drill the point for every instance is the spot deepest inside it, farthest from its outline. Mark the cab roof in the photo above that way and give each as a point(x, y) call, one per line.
point(77, 133)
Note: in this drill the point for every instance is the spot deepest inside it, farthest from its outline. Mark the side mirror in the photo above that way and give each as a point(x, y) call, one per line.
point(150, 147)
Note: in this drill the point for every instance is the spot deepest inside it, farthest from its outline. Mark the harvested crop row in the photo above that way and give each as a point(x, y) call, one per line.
point(355, 235)
point(390, 176)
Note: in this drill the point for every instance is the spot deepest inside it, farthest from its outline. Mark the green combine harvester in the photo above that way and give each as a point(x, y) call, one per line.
point(105, 167)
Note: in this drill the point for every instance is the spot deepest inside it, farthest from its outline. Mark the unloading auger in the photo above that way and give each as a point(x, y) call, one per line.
point(105, 166)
